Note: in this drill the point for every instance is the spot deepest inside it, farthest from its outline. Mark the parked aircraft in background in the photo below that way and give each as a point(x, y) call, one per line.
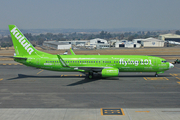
point(107, 65)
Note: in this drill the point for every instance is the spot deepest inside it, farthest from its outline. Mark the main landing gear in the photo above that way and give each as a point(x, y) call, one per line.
point(90, 75)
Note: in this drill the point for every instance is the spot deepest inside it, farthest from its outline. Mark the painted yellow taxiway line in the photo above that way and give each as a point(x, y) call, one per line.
point(175, 75)
point(71, 75)
point(143, 111)
point(156, 78)
point(177, 67)
point(178, 78)
point(1, 79)
point(178, 83)
point(40, 72)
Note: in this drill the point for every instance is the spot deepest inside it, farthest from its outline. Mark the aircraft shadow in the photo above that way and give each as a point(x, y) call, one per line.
point(21, 76)
point(86, 79)
point(130, 76)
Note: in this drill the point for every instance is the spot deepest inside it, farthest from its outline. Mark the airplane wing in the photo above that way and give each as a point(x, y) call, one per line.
point(94, 69)
point(62, 61)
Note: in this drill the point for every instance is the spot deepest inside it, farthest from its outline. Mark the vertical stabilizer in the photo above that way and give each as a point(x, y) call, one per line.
point(21, 45)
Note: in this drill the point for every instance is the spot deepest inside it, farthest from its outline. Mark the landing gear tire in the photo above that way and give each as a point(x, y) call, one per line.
point(90, 75)
point(156, 75)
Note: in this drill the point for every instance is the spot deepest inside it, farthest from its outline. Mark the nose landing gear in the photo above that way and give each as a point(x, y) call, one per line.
point(156, 75)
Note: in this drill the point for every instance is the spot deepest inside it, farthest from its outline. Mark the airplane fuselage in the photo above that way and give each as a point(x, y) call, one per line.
point(125, 63)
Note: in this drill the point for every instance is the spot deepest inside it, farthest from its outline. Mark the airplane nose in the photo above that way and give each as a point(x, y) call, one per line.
point(171, 65)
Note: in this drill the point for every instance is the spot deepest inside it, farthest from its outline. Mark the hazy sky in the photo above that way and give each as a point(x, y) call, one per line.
point(35, 14)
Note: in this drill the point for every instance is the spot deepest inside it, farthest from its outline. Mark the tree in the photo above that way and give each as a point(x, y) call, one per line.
point(122, 36)
point(177, 32)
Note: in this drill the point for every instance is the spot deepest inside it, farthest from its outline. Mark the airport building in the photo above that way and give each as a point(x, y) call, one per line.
point(169, 37)
point(150, 42)
point(127, 44)
point(98, 41)
point(102, 46)
point(56, 45)
point(75, 42)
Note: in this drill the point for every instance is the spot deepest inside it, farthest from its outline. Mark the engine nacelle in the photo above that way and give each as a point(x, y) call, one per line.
point(110, 72)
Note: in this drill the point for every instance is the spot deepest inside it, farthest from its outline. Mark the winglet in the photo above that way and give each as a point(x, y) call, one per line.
point(72, 52)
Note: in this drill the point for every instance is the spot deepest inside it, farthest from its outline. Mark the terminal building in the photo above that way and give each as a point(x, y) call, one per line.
point(169, 37)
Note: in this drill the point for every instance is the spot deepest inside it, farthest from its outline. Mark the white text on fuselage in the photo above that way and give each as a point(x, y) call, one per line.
point(135, 62)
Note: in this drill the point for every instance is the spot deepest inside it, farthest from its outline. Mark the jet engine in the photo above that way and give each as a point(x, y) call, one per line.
point(110, 72)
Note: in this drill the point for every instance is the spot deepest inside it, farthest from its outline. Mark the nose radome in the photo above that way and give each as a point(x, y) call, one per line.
point(171, 65)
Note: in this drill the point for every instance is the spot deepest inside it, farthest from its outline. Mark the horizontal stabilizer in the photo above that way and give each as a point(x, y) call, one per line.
point(20, 58)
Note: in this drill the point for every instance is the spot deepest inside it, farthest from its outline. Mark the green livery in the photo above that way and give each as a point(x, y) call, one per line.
point(107, 65)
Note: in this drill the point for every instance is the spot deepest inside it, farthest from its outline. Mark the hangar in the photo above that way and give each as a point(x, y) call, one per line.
point(127, 44)
point(170, 37)
point(98, 41)
point(150, 42)
point(56, 45)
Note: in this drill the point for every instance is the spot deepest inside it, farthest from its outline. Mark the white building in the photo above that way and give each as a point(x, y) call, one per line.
point(150, 42)
point(75, 42)
point(56, 45)
point(127, 44)
point(102, 46)
point(169, 37)
point(98, 41)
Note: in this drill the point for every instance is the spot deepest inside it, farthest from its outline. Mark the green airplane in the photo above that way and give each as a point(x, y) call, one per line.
point(107, 65)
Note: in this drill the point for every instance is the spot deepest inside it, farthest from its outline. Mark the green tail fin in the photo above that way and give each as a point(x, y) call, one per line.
point(21, 45)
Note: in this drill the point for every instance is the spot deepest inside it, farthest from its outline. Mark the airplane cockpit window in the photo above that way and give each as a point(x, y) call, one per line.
point(163, 61)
